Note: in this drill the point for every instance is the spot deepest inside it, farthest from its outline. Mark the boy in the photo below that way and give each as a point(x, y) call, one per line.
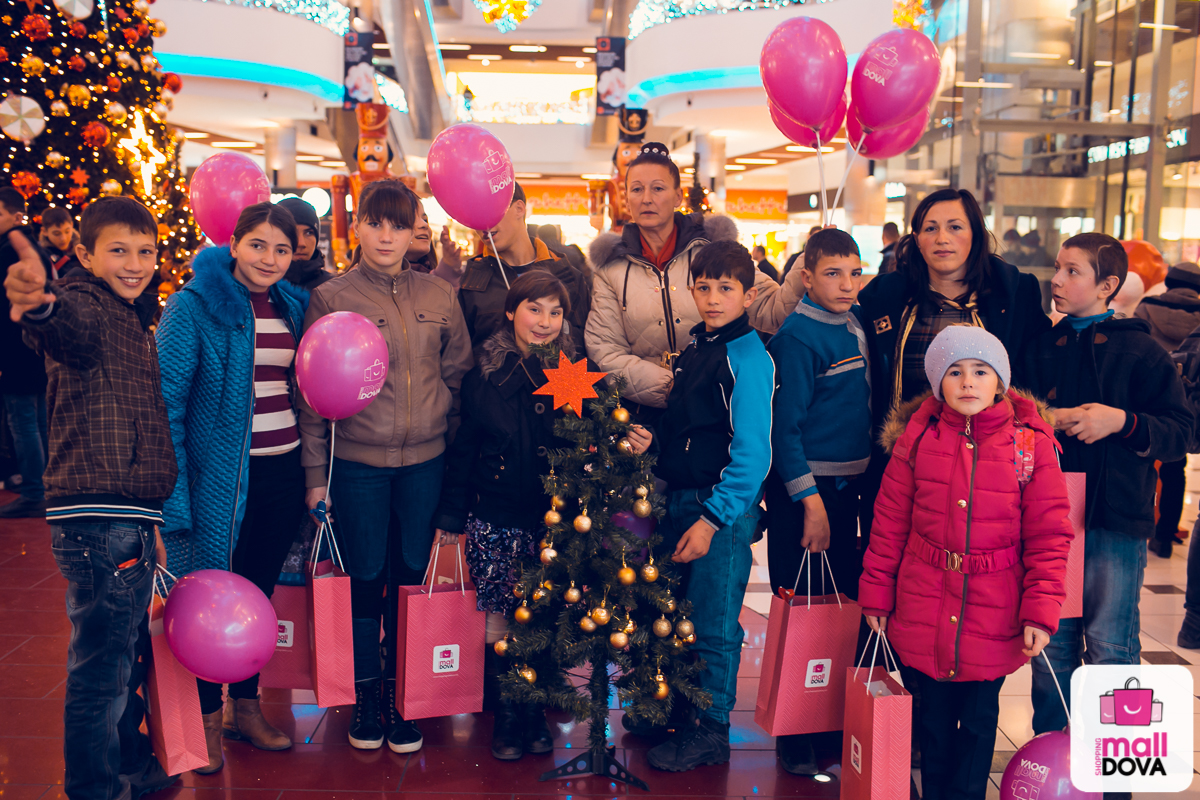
point(307, 269)
point(716, 449)
point(1120, 406)
point(821, 434)
point(111, 468)
point(58, 239)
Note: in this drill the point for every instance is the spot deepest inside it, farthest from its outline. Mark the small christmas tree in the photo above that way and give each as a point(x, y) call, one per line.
point(596, 595)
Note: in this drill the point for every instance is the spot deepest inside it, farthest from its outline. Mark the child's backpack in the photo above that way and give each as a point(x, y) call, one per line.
point(1187, 362)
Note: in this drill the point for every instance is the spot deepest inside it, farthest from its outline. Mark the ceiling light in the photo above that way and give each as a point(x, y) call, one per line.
point(838, 140)
point(526, 48)
point(474, 57)
point(1102, 63)
point(766, 161)
point(310, 158)
point(333, 163)
point(944, 99)
point(1178, 176)
point(596, 176)
point(690, 170)
point(1045, 56)
point(381, 46)
point(589, 49)
point(799, 148)
point(233, 144)
point(454, 46)
point(734, 167)
point(982, 85)
point(194, 135)
point(1114, 112)
point(576, 59)
point(528, 175)
point(1154, 26)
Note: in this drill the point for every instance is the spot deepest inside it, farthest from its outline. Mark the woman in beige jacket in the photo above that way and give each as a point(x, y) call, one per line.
point(642, 313)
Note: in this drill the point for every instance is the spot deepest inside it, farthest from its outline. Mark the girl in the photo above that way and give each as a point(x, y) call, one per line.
point(968, 551)
point(388, 457)
point(492, 488)
point(226, 344)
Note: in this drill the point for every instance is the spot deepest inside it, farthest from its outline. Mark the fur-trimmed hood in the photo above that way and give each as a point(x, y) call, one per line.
point(491, 354)
point(713, 228)
point(1027, 409)
point(223, 297)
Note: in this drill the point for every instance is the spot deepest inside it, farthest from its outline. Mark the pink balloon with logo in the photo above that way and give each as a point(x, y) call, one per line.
point(803, 67)
point(803, 135)
point(886, 142)
point(1042, 769)
point(220, 188)
point(894, 78)
point(471, 175)
point(219, 625)
point(341, 364)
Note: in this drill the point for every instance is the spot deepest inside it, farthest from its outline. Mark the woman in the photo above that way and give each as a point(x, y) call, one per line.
point(641, 308)
point(226, 344)
point(422, 257)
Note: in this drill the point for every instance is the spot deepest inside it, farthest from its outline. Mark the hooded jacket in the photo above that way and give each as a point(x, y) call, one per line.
point(495, 466)
point(962, 556)
point(206, 348)
point(308, 275)
point(642, 317)
point(22, 371)
point(1171, 315)
point(1117, 364)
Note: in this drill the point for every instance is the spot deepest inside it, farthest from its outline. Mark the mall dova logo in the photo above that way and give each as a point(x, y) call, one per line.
point(1121, 738)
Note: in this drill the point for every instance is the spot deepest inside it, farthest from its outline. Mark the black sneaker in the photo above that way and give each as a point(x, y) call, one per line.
point(402, 736)
point(152, 779)
point(366, 729)
point(23, 509)
point(1189, 632)
point(796, 754)
point(706, 742)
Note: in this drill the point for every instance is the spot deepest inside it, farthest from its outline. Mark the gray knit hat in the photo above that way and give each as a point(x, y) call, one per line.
point(959, 342)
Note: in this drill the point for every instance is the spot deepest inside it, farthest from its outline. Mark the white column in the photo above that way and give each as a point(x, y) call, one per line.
point(279, 146)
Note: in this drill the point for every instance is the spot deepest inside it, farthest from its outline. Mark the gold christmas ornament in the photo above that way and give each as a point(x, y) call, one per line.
point(32, 66)
point(552, 518)
point(642, 508)
point(548, 586)
point(661, 690)
point(587, 625)
point(685, 628)
point(79, 95)
point(501, 647)
point(59, 109)
point(528, 674)
point(649, 573)
point(670, 604)
point(538, 594)
point(626, 576)
point(160, 110)
point(662, 627)
point(158, 28)
point(54, 159)
point(583, 523)
point(630, 626)
point(518, 591)
point(548, 555)
point(641, 491)
point(111, 188)
point(624, 445)
point(142, 7)
point(677, 644)
point(557, 503)
point(601, 615)
point(689, 639)
point(572, 595)
point(544, 543)
point(523, 614)
point(620, 415)
point(619, 640)
point(116, 112)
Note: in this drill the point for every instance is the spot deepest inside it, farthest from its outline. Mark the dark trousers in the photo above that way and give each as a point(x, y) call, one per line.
point(786, 529)
point(379, 554)
point(274, 508)
point(1191, 599)
point(956, 726)
point(27, 421)
point(110, 638)
point(1170, 500)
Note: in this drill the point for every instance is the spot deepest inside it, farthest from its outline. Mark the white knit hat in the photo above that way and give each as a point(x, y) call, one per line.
point(959, 342)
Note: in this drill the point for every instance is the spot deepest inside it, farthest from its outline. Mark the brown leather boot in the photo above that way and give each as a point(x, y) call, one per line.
point(212, 738)
point(247, 723)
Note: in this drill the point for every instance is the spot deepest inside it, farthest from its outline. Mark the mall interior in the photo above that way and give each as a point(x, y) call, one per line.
point(1060, 116)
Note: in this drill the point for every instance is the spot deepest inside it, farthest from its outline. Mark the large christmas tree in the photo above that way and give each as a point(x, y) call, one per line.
point(83, 107)
point(596, 597)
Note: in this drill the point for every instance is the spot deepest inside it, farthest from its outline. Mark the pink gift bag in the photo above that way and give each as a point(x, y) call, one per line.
point(1130, 706)
point(877, 742)
point(172, 701)
point(289, 667)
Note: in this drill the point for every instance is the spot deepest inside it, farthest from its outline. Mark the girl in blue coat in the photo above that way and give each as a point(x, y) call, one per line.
point(226, 344)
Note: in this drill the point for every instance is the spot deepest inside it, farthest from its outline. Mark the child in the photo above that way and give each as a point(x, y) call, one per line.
point(821, 434)
point(226, 343)
point(968, 551)
point(388, 457)
point(58, 239)
point(1120, 407)
point(716, 450)
point(111, 468)
point(505, 424)
point(308, 261)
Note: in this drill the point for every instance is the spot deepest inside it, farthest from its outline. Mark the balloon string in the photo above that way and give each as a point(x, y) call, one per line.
point(1050, 667)
point(499, 263)
point(328, 484)
point(846, 175)
point(821, 172)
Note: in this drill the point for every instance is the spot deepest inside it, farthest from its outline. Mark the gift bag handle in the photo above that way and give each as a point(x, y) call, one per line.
point(431, 570)
point(160, 577)
point(825, 566)
point(325, 531)
point(1133, 680)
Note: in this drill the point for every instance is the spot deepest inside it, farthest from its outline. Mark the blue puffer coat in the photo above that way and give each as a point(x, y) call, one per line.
point(206, 354)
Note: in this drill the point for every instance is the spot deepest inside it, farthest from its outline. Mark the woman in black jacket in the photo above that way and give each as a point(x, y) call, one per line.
point(492, 489)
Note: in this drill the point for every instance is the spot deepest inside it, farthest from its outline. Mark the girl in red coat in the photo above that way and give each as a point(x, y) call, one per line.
point(966, 558)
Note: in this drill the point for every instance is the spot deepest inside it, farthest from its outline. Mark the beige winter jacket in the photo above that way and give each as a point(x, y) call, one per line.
point(641, 317)
point(429, 352)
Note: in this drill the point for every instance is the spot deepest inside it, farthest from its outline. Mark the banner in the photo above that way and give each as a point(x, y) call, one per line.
point(757, 204)
point(610, 75)
point(556, 199)
point(360, 72)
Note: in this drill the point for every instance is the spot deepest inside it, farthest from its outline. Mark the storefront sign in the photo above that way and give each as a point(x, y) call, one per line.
point(360, 72)
point(557, 199)
point(610, 75)
point(1134, 147)
point(757, 204)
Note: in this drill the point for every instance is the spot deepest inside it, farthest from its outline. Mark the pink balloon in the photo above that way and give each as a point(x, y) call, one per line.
point(341, 364)
point(886, 142)
point(804, 69)
point(894, 78)
point(1043, 765)
point(220, 626)
point(221, 187)
point(471, 175)
point(805, 136)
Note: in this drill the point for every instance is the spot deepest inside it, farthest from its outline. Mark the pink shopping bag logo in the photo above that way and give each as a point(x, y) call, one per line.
point(445, 659)
point(1130, 706)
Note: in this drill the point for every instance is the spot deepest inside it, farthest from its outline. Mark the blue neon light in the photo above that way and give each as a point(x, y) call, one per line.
point(746, 77)
point(270, 74)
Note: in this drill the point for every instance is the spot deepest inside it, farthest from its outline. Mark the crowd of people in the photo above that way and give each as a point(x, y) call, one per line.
point(904, 427)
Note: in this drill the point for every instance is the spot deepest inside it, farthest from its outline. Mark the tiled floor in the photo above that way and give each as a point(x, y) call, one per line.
point(455, 761)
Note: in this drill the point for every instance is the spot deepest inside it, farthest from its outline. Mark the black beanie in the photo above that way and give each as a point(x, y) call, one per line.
point(304, 213)
point(1183, 276)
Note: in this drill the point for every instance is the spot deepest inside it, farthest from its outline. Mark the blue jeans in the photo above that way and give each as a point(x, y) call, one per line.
point(1113, 567)
point(27, 420)
point(716, 588)
point(106, 655)
point(378, 554)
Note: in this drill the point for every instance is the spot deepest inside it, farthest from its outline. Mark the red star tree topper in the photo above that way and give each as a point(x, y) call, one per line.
point(570, 383)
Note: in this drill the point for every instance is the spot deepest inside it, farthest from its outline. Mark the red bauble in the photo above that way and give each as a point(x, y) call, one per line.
point(77, 194)
point(27, 183)
point(76, 63)
point(78, 30)
point(143, 30)
point(3, 55)
point(96, 134)
point(114, 83)
point(173, 82)
point(131, 36)
point(36, 27)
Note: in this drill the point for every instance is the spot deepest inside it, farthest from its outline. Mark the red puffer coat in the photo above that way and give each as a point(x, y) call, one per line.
point(970, 539)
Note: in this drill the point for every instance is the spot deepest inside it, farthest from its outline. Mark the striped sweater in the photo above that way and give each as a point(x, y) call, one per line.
point(274, 428)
